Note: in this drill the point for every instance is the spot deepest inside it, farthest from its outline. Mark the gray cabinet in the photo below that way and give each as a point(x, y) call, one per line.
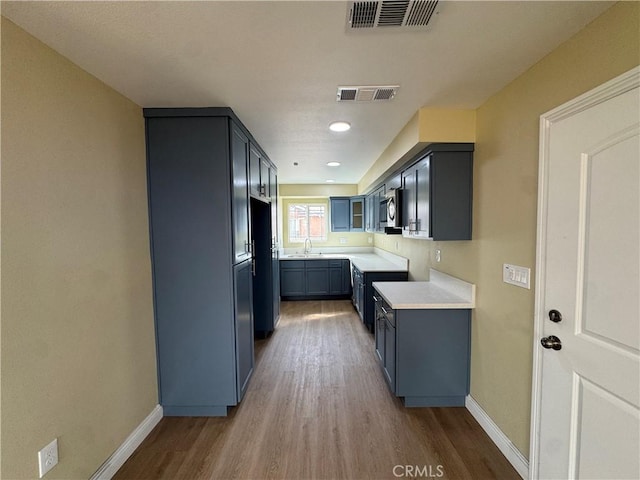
point(240, 175)
point(425, 354)
point(357, 214)
point(243, 299)
point(375, 214)
point(292, 278)
point(340, 214)
point(315, 279)
point(363, 291)
point(200, 234)
point(438, 194)
point(339, 277)
point(259, 181)
point(275, 245)
point(348, 214)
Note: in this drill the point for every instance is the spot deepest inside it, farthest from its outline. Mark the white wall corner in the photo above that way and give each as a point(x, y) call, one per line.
point(508, 449)
point(109, 468)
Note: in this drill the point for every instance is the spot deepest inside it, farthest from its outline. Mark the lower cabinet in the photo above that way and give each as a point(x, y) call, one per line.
point(363, 291)
point(314, 279)
point(243, 301)
point(425, 354)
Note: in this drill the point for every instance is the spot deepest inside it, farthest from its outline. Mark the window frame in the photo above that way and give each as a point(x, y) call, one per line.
point(306, 205)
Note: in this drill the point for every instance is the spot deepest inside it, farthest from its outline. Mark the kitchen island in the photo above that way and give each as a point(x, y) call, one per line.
point(423, 339)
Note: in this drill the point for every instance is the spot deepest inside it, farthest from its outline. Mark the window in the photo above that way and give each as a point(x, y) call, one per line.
point(307, 220)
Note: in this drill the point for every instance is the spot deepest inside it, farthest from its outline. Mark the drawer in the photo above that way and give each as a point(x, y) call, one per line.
point(292, 264)
point(336, 263)
point(317, 263)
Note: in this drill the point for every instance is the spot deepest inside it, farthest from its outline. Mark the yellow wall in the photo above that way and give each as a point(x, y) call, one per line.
point(428, 125)
point(504, 203)
point(78, 350)
point(317, 190)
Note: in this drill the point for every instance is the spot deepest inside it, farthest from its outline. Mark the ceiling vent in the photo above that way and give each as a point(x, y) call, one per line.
point(363, 15)
point(367, 94)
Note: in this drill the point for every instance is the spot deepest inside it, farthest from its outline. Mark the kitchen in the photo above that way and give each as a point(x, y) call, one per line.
point(76, 239)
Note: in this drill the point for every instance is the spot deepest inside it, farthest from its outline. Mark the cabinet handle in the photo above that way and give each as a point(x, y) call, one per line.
point(376, 299)
point(263, 189)
point(384, 309)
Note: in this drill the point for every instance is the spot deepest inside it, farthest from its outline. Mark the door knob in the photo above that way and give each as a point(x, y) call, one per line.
point(555, 316)
point(551, 342)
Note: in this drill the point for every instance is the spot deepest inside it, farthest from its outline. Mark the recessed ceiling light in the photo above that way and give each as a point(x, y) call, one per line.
point(333, 164)
point(339, 126)
point(330, 181)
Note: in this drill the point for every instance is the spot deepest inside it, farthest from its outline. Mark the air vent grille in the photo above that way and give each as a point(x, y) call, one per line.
point(367, 93)
point(392, 13)
point(384, 94)
point(363, 15)
point(347, 94)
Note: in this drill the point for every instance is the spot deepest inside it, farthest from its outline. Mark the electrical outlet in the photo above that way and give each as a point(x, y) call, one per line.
point(369, 239)
point(48, 457)
point(343, 240)
point(515, 275)
point(438, 256)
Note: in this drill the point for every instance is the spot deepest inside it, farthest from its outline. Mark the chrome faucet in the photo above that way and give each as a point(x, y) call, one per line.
point(307, 250)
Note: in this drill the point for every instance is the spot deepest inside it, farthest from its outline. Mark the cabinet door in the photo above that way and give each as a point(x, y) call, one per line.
point(275, 245)
point(239, 155)
point(317, 280)
point(335, 280)
point(244, 325)
point(357, 211)
point(265, 185)
point(379, 334)
point(292, 282)
point(340, 212)
point(423, 205)
point(346, 277)
point(255, 159)
point(409, 201)
point(390, 355)
point(368, 224)
point(451, 195)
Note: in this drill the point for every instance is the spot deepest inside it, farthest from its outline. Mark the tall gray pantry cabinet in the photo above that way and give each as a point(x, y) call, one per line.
point(199, 210)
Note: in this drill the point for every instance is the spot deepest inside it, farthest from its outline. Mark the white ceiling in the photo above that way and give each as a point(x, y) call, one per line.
point(278, 64)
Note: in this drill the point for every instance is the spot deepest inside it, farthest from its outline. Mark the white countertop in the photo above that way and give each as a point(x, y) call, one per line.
point(441, 291)
point(375, 261)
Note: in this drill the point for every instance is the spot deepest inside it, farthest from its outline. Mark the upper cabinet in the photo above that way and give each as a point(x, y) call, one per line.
point(438, 194)
point(376, 211)
point(356, 212)
point(340, 208)
point(260, 182)
point(348, 214)
point(240, 210)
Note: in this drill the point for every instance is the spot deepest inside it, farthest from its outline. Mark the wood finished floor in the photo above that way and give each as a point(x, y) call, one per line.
point(318, 408)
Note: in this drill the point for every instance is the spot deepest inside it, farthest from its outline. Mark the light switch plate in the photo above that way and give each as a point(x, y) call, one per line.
point(516, 275)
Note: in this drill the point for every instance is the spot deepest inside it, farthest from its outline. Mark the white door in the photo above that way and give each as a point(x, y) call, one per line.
point(586, 421)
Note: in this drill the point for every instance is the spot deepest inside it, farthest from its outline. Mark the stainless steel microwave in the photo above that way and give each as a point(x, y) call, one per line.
point(394, 208)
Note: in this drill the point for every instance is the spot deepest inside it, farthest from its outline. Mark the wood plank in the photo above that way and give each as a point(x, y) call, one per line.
point(318, 407)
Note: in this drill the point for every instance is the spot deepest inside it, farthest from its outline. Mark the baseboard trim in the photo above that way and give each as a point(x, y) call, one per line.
point(109, 468)
point(508, 449)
